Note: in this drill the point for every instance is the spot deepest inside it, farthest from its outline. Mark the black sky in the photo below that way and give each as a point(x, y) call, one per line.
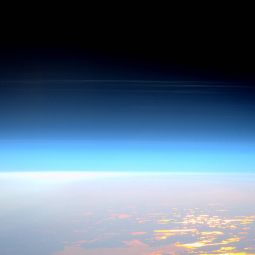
point(216, 50)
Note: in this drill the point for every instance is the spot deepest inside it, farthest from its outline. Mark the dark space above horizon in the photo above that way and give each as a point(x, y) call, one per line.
point(181, 96)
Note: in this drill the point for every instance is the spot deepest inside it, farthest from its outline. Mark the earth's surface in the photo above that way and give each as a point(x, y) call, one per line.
point(110, 214)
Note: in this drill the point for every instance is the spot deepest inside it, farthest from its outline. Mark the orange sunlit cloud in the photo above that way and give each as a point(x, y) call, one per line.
point(139, 233)
point(122, 216)
point(231, 253)
point(223, 249)
point(208, 242)
point(141, 221)
point(87, 213)
point(134, 243)
point(134, 247)
point(86, 241)
point(212, 233)
point(163, 234)
point(174, 230)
